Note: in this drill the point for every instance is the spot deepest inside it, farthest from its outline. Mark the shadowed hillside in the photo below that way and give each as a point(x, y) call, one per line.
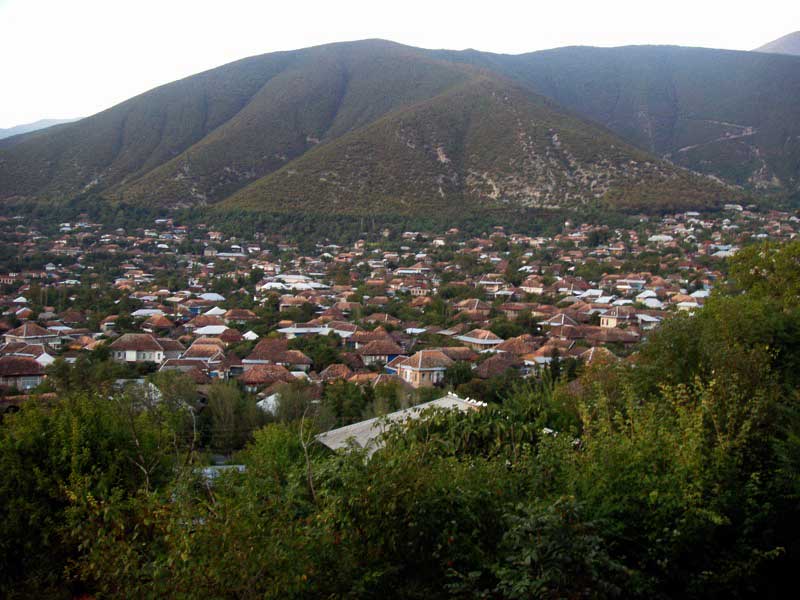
point(730, 114)
point(483, 144)
point(376, 125)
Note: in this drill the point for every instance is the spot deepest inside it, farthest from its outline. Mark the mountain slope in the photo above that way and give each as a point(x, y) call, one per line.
point(483, 144)
point(326, 92)
point(29, 127)
point(729, 114)
point(133, 137)
point(788, 44)
point(234, 135)
point(198, 139)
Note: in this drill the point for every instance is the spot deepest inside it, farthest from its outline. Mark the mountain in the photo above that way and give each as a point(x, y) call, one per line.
point(377, 126)
point(732, 115)
point(35, 126)
point(196, 140)
point(319, 95)
point(788, 44)
point(485, 143)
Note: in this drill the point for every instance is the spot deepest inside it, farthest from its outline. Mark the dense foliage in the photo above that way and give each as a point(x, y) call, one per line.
point(304, 229)
point(672, 475)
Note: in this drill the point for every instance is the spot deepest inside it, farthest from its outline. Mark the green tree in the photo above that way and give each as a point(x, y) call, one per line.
point(769, 270)
point(458, 373)
point(233, 417)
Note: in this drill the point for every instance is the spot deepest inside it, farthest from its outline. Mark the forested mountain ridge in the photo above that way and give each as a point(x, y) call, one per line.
point(483, 144)
point(729, 114)
point(240, 134)
point(221, 128)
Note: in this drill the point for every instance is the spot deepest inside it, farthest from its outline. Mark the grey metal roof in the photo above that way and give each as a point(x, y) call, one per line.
point(365, 434)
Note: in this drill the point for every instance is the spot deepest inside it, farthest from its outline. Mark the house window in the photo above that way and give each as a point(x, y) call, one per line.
point(29, 382)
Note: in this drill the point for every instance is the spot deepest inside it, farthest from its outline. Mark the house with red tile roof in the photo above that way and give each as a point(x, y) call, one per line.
point(276, 352)
point(261, 376)
point(425, 368)
point(20, 372)
point(137, 348)
point(31, 333)
point(380, 351)
point(336, 371)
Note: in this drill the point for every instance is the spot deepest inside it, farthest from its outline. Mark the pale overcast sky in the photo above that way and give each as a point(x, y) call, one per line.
point(69, 58)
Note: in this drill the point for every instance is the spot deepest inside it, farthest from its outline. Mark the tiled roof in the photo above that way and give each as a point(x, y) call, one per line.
point(296, 357)
point(381, 318)
point(605, 335)
point(159, 321)
point(18, 366)
point(336, 371)
point(204, 321)
point(428, 359)
point(202, 351)
point(496, 364)
point(364, 377)
point(520, 345)
point(240, 314)
point(382, 347)
point(483, 335)
point(29, 330)
point(473, 304)
point(140, 342)
point(277, 351)
point(559, 320)
point(460, 353)
point(210, 341)
point(231, 336)
point(363, 337)
point(265, 375)
point(597, 353)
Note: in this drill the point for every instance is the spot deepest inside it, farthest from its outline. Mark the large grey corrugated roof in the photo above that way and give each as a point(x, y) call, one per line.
point(365, 433)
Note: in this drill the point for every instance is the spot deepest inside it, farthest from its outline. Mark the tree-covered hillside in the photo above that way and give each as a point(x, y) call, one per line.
point(199, 138)
point(255, 122)
point(721, 112)
point(483, 144)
